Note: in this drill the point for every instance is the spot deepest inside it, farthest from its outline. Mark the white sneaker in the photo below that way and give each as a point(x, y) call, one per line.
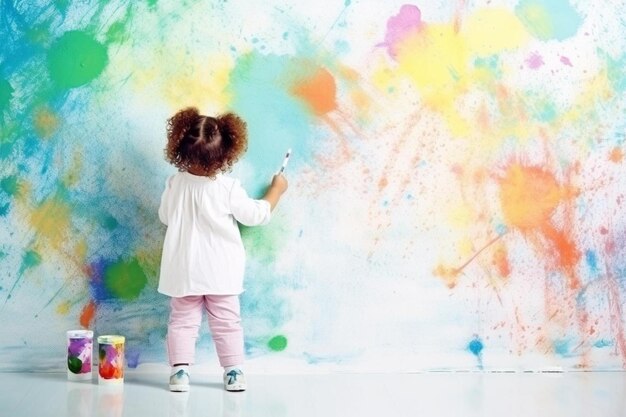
point(179, 382)
point(235, 381)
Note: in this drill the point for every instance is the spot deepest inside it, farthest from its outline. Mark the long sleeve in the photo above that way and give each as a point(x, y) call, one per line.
point(246, 210)
point(164, 199)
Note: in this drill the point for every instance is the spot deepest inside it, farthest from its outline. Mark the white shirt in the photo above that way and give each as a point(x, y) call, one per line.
point(203, 252)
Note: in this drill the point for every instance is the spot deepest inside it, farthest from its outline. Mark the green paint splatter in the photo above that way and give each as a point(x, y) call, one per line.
point(277, 343)
point(263, 243)
point(117, 32)
point(30, 260)
point(152, 3)
point(125, 280)
point(75, 59)
point(6, 92)
point(549, 19)
point(10, 185)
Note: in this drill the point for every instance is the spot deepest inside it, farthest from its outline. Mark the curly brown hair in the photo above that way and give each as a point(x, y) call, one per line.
point(206, 145)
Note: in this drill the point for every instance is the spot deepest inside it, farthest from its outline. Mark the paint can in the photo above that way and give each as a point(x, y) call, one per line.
point(79, 354)
point(111, 359)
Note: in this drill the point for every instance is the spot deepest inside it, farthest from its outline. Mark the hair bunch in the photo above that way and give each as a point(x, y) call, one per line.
point(205, 144)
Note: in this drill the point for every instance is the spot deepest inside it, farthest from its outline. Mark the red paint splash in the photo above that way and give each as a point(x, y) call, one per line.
point(87, 314)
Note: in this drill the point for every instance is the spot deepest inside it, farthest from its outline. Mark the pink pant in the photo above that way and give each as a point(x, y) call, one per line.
point(224, 322)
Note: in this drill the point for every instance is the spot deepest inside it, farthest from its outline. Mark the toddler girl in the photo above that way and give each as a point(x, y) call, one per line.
point(203, 259)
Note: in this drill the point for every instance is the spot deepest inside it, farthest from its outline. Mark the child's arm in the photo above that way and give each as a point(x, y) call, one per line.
point(164, 199)
point(275, 190)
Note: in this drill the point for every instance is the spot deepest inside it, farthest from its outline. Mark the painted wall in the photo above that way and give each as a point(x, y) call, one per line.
point(456, 190)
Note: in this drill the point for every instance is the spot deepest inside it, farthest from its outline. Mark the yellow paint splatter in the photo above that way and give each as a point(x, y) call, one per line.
point(199, 83)
point(461, 216)
point(439, 62)
point(64, 308)
point(46, 122)
point(491, 31)
point(72, 175)
point(51, 221)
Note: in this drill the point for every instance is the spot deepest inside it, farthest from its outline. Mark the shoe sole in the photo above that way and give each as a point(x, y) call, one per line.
point(179, 388)
point(236, 387)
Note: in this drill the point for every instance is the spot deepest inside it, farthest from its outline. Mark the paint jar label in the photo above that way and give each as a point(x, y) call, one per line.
point(111, 359)
point(79, 354)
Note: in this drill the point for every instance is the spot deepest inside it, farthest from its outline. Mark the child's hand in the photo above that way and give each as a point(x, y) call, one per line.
point(275, 190)
point(279, 183)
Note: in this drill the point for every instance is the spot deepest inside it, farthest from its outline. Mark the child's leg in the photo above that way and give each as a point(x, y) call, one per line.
point(226, 330)
point(182, 329)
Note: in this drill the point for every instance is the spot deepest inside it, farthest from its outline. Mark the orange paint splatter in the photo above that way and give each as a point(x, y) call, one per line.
point(87, 315)
point(447, 274)
point(616, 155)
point(567, 254)
point(319, 92)
point(501, 261)
point(383, 183)
point(529, 196)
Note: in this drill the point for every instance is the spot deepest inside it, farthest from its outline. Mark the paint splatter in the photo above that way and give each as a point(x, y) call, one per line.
point(476, 347)
point(401, 26)
point(278, 343)
point(554, 19)
point(318, 91)
point(125, 280)
point(75, 59)
point(425, 156)
point(534, 61)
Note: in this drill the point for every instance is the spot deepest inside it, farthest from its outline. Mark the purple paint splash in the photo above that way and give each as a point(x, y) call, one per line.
point(534, 61)
point(565, 61)
point(400, 26)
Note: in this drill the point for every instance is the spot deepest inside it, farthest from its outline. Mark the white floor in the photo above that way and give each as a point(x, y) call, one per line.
point(600, 394)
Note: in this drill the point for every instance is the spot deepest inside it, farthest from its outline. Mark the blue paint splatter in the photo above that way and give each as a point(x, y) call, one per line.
point(476, 347)
point(561, 347)
point(602, 343)
point(592, 261)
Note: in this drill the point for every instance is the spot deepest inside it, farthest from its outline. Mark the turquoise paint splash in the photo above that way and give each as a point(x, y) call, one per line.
point(561, 347)
point(476, 347)
point(549, 19)
point(261, 89)
point(592, 261)
point(616, 73)
point(30, 260)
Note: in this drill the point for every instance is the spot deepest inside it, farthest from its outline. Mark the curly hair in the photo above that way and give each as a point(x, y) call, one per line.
point(205, 144)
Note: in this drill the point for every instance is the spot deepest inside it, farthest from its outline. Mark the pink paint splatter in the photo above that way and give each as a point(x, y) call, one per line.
point(565, 60)
point(400, 26)
point(534, 61)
